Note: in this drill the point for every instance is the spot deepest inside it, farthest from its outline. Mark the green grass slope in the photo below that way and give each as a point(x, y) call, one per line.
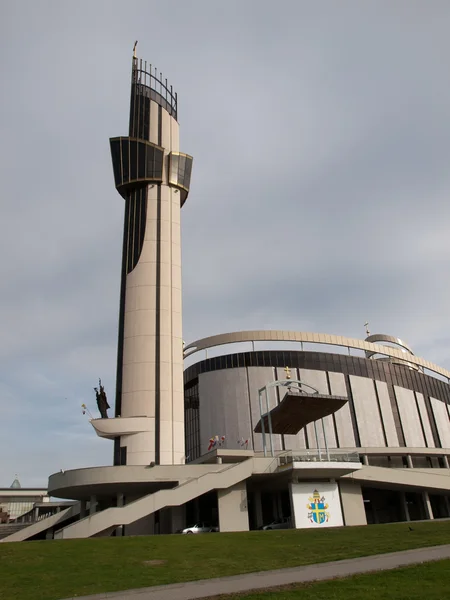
point(52, 570)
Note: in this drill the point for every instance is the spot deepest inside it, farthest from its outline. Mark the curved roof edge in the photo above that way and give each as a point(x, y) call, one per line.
point(313, 338)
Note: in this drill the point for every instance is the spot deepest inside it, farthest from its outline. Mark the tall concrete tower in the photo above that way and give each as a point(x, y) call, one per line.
point(153, 178)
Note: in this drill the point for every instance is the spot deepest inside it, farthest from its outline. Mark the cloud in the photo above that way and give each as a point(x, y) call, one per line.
point(319, 196)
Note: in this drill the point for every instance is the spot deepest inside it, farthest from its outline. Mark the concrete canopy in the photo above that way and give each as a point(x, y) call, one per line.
point(296, 410)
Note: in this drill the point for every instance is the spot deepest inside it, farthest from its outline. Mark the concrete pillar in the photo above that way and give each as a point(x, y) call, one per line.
point(446, 465)
point(178, 518)
point(280, 505)
point(258, 509)
point(275, 506)
point(82, 509)
point(409, 461)
point(233, 509)
point(92, 505)
point(404, 506)
point(427, 505)
point(36, 513)
point(196, 510)
point(447, 505)
point(352, 502)
point(218, 460)
point(365, 460)
point(120, 531)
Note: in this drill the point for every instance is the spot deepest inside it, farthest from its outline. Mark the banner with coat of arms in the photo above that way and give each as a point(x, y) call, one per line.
point(316, 504)
point(317, 509)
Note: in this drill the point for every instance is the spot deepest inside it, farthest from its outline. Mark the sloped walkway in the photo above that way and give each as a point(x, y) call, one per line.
point(265, 579)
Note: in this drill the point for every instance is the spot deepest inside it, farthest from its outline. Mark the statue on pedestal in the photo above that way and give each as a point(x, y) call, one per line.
point(102, 401)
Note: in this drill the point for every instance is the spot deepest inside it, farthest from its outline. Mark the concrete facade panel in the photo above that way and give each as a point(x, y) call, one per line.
point(367, 413)
point(138, 348)
point(138, 377)
point(140, 403)
point(442, 421)
point(352, 503)
point(143, 274)
point(425, 420)
point(386, 413)
point(146, 297)
point(409, 417)
point(318, 380)
point(342, 416)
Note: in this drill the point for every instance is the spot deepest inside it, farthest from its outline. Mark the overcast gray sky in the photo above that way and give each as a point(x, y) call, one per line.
point(319, 199)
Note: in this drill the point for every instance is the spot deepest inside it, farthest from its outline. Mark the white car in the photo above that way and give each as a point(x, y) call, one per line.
point(198, 528)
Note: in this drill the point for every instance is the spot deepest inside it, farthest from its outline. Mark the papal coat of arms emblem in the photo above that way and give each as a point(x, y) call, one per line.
point(317, 509)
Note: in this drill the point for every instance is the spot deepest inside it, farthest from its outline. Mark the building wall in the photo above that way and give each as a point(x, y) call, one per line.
point(379, 413)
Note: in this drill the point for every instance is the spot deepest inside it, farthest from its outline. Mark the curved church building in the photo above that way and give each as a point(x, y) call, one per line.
point(396, 414)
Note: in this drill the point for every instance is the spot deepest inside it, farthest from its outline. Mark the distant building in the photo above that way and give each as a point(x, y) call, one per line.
point(15, 501)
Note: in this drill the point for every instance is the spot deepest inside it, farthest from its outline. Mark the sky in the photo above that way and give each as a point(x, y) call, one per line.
point(319, 197)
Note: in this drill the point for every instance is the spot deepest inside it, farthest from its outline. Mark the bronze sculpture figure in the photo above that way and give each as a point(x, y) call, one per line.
point(102, 401)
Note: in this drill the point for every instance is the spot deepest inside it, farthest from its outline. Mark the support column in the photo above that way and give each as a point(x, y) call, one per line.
point(275, 505)
point(365, 460)
point(36, 513)
point(196, 511)
point(178, 518)
point(233, 509)
point(427, 505)
point(404, 506)
point(259, 522)
point(352, 502)
point(446, 465)
point(447, 505)
point(120, 531)
point(280, 505)
point(409, 461)
point(82, 509)
point(92, 505)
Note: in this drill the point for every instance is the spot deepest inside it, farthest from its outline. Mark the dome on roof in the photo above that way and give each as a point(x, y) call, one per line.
point(15, 484)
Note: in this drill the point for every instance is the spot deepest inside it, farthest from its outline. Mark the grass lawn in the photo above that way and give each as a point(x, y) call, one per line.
point(429, 580)
point(50, 570)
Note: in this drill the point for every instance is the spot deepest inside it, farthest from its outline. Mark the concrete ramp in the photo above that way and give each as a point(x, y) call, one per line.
point(27, 532)
point(107, 520)
point(419, 479)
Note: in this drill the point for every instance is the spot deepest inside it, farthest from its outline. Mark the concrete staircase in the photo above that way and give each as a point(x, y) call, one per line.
point(7, 529)
point(26, 531)
point(104, 522)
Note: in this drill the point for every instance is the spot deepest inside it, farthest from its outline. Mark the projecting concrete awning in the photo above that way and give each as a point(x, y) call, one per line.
point(296, 410)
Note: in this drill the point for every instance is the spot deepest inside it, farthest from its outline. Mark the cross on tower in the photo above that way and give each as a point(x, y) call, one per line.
point(288, 372)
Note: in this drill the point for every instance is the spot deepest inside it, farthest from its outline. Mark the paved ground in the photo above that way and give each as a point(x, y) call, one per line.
point(266, 579)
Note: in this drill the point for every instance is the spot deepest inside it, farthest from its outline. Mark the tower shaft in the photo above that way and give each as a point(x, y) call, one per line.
point(153, 177)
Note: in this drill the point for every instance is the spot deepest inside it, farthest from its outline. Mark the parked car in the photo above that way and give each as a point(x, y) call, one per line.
point(284, 523)
point(201, 527)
